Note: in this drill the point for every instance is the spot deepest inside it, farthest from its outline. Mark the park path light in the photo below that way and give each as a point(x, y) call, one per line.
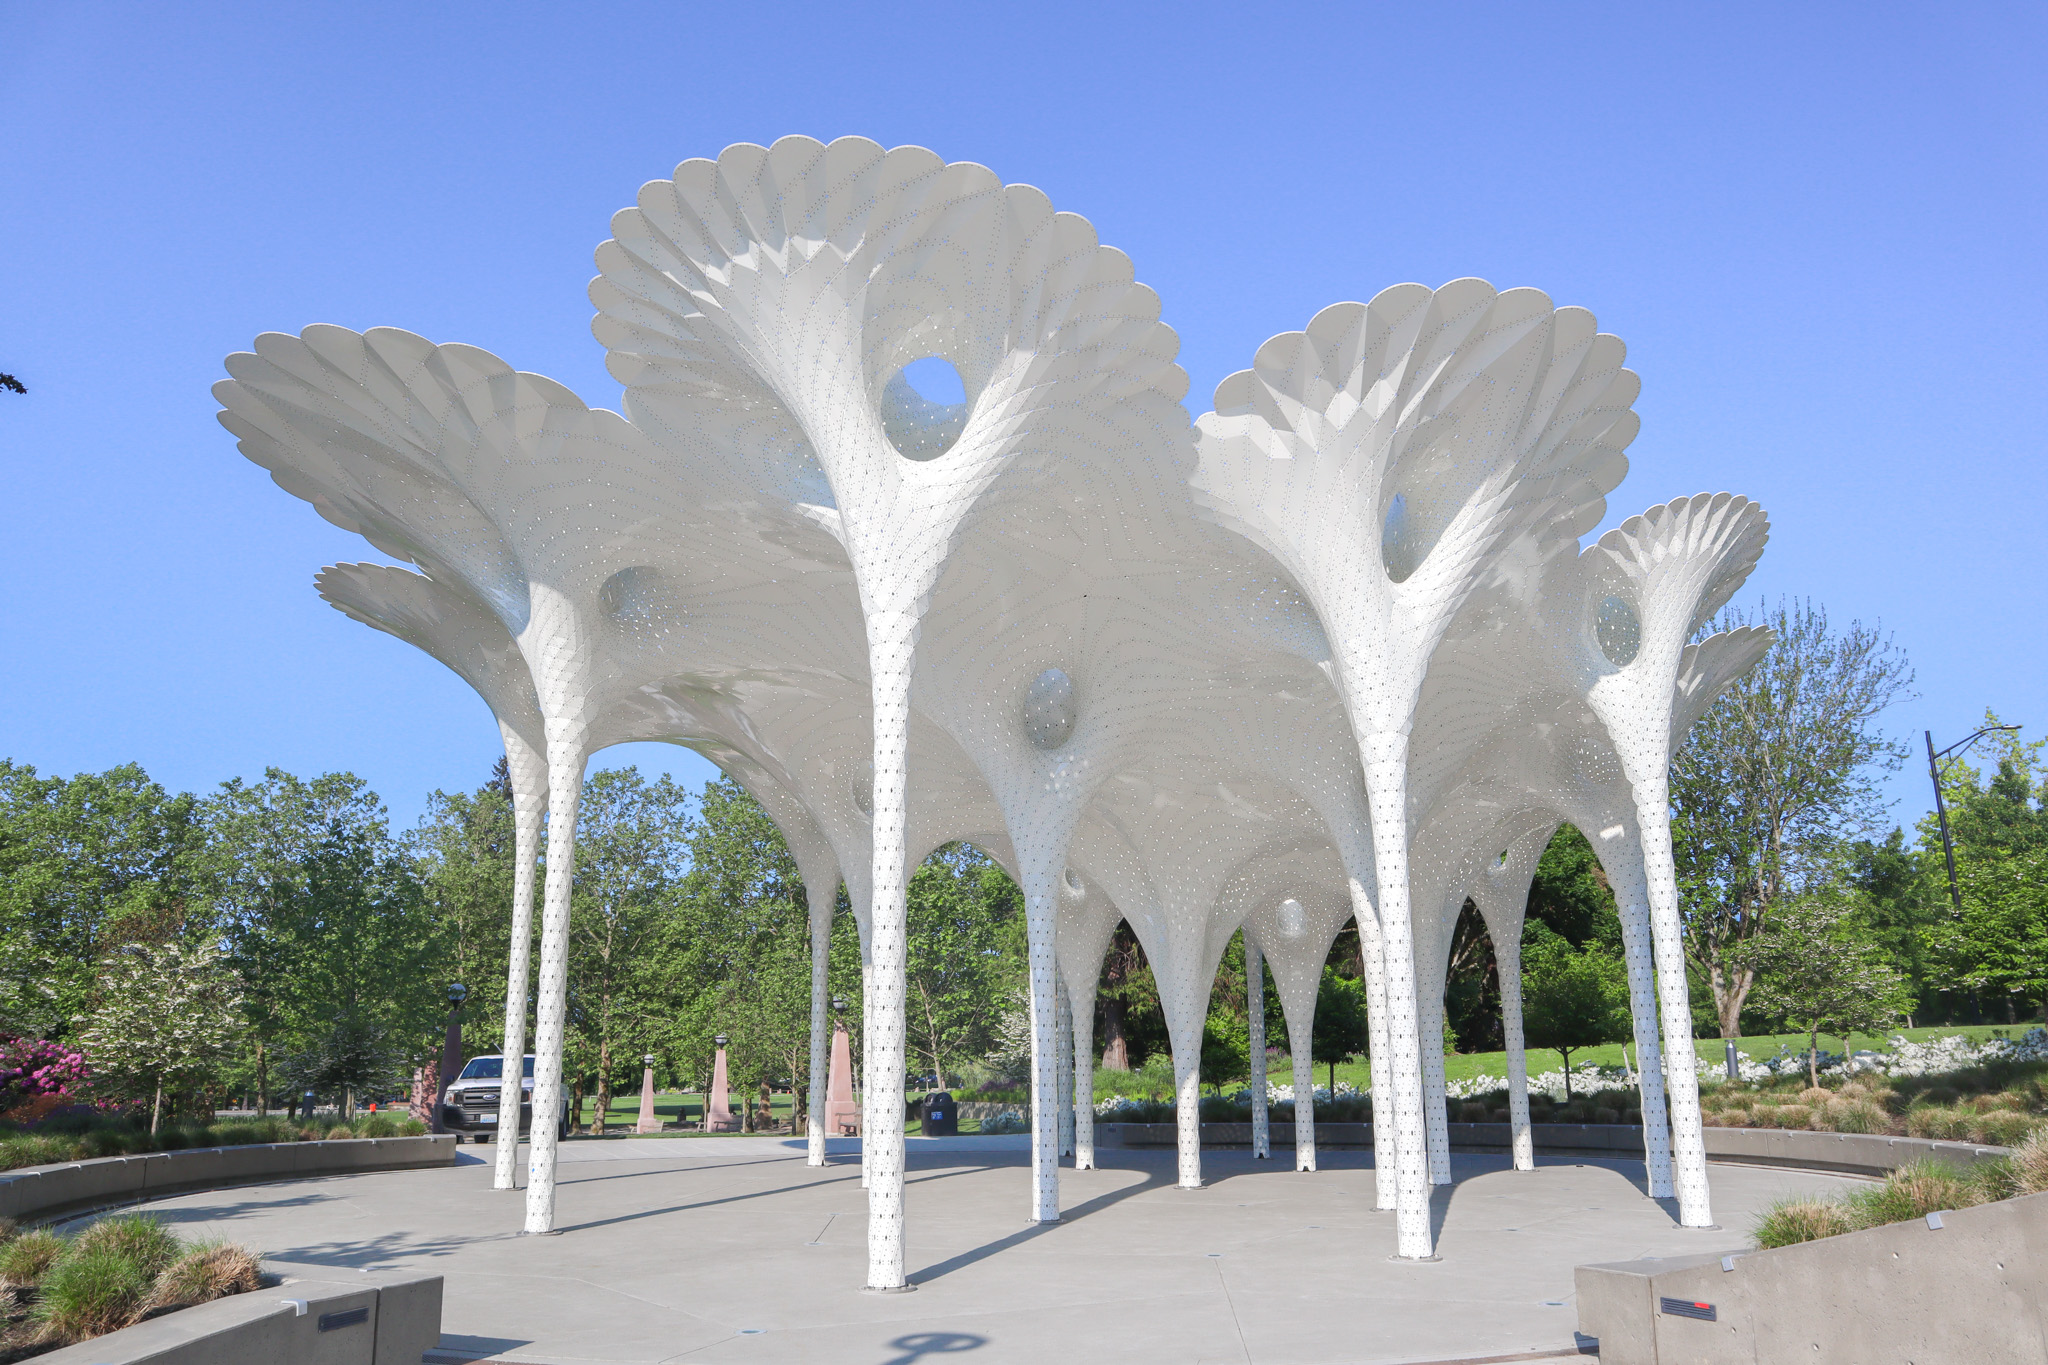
point(1437, 425)
point(1948, 851)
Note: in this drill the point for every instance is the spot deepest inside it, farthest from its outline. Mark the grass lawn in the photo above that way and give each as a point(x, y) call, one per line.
point(625, 1112)
point(1156, 1083)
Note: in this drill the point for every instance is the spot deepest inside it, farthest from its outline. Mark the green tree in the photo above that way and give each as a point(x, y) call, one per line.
point(1813, 968)
point(87, 863)
point(1996, 947)
point(959, 902)
point(264, 843)
point(1900, 901)
point(1340, 1029)
point(166, 1021)
point(734, 956)
point(1572, 998)
point(463, 852)
point(1571, 894)
point(1128, 1018)
point(1780, 774)
point(632, 837)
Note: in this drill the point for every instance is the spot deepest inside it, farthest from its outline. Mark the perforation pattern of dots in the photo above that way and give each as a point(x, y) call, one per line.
point(1322, 657)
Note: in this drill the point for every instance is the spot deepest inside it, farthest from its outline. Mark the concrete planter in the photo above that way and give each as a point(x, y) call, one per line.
point(314, 1315)
point(1961, 1286)
point(41, 1192)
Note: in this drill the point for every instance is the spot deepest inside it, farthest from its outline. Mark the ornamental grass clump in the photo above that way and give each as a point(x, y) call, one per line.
point(89, 1294)
point(26, 1259)
point(1801, 1220)
point(208, 1271)
point(113, 1274)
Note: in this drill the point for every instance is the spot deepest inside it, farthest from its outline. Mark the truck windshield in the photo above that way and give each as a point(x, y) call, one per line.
point(491, 1069)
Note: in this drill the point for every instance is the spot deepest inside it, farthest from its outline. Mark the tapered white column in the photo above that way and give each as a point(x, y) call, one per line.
point(1041, 871)
point(528, 770)
point(1681, 1064)
point(1186, 1040)
point(1299, 1042)
point(1082, 1007)
point(1386, 1143)
point(1255, 1046)
point(1638, 951)
point(892, 640)
point(1507, 958)
point(1064, 1086)
point(1435, 1115)
point(815, 900)
point(1386, 783)
point(867, 1060)
point(567, 753)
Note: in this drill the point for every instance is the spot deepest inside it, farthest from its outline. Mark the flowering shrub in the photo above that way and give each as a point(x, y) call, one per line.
point(34, 1067)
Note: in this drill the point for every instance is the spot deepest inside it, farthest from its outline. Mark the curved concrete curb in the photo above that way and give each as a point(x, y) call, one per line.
point(323, 1314)
point(1851, 1153)
point(41, 1192)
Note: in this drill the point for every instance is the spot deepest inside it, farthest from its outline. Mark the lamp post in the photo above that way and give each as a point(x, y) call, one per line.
point(451, 1052)
point(1948, 851)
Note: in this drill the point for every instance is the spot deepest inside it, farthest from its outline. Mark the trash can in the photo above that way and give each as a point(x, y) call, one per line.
point(939, 1116)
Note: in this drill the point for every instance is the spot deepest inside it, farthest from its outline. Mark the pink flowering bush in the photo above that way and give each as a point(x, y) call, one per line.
point(31, 1068)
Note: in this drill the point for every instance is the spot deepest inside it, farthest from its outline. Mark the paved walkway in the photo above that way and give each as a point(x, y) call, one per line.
point(732, 1250)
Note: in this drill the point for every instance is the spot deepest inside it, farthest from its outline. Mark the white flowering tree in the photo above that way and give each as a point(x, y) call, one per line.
point(168, 1018)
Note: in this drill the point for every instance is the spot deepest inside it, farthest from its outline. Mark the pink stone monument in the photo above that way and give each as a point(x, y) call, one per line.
point(718, 1115)
point(842, 1115)
point(650, 1122)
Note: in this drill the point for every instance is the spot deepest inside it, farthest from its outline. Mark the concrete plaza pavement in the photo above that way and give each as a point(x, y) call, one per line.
point(733, 1250)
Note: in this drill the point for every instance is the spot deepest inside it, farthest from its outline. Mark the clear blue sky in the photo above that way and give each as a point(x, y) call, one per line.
point(1819, 228)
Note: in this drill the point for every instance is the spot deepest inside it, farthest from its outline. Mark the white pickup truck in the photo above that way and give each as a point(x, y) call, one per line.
point(471, 1103)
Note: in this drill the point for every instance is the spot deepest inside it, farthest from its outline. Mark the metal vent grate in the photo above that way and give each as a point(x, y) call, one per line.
point(1687, 1308)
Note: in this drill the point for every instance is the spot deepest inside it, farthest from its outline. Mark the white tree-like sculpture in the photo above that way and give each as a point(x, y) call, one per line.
point(1331, 654)
point(797, 283)
point(1437, 427)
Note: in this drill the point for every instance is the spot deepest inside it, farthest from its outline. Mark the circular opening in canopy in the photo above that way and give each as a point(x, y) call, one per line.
point(924, 408)
point(1293, 919)
point(1074, 883)
point(1619, 632)
point(1049, 709)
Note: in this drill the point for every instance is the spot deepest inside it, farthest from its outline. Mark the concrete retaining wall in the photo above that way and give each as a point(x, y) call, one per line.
point(41, 1192)
point(1961, 1286)
point(1577, 1139)
point(1851, 1153)
point(315, 1315)
point(1854, 1153)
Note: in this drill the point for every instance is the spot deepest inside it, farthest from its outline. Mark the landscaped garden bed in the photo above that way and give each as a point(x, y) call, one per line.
point(1912, 1191)
point(57, 1290)
point(81, 1139)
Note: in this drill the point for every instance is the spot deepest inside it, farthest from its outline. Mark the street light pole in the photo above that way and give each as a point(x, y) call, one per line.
point(1948, 851)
